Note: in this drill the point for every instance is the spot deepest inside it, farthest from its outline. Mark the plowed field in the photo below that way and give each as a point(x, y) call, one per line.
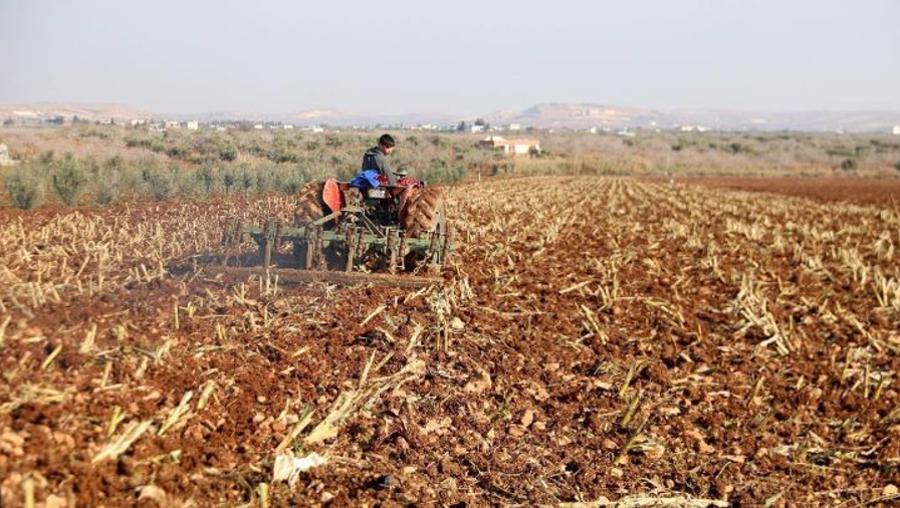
point(884, 192)
point(595, 340)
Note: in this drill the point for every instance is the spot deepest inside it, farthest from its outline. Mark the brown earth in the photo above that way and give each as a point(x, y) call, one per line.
point(885, 192)
point(594, 339)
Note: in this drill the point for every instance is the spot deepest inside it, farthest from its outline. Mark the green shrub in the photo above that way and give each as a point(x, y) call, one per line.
point(46, 158)
point(228, 179)
point(69, 179)
point(245, 180)
point(185, 183)
point(897, 165)
point(106, 185)
point(263, 181)
point(106, 194)
point(25, 187)
point(840, 151)
point(161, 186)
point(228, 152)
point(736, 148)
point(160, 182)
point(439, 172)
point(207, 177)
point(130, 180)
point(291, 183)
point(848, 164)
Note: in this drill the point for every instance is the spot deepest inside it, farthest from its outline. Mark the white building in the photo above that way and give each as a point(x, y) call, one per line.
point(896, 130)
point(476, 128)
point(172, 124)
point(258, 126)
point(511, 146)
point(515, 127)
point(193, 125)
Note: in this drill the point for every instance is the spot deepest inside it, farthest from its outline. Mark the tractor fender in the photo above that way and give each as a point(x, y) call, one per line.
point(331, 195)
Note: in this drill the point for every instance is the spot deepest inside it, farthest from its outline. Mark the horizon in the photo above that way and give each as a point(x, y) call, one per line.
point(425, 113)
point(467, 60)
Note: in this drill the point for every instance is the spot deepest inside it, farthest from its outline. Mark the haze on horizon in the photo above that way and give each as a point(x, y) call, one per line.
point(467, 57)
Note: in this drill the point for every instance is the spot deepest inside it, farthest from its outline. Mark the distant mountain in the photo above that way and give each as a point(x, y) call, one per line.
point(586, 115)
point(43, 111)
point(545, 115)
point(579, 116)
point(330, 117)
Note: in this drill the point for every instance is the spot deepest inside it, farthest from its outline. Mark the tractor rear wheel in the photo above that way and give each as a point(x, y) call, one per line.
point(424, 213)
point(309, 203)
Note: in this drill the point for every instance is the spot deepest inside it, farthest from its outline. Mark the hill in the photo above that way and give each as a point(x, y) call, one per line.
point(43, 111)
point(586, 115)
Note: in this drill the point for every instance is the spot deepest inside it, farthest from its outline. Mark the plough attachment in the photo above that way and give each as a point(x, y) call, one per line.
point(346, 251)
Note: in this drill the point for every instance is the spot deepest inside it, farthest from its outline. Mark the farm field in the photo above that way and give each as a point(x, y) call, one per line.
point(596, 340)
point(870, 191)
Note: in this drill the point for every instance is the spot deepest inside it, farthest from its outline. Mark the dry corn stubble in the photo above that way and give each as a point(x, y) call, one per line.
point(712, 345)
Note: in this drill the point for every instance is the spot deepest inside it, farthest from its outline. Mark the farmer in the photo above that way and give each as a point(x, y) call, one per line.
point(375, 163)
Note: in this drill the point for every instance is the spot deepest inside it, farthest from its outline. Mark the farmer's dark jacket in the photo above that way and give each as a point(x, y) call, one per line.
point(377, 160)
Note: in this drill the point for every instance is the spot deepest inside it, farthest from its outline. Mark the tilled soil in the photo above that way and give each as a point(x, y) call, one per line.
point(595, 339)
point(870, 191)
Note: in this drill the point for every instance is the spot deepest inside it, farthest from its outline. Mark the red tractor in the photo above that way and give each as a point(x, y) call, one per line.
point(339, 226)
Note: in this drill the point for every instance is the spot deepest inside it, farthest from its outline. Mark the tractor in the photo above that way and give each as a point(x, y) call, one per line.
point(352, 228)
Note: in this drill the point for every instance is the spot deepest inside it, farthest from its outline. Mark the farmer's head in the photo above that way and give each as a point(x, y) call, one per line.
point(386, 142)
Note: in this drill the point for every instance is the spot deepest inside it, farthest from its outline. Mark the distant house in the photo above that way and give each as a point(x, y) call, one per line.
point(896, 130)
point(511, 146)
point(258, 126)
point(172, 124)
point(193, 125)
point(514, 127)
point(476, 128)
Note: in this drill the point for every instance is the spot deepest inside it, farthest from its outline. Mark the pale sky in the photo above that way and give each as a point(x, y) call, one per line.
point(457, 57)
